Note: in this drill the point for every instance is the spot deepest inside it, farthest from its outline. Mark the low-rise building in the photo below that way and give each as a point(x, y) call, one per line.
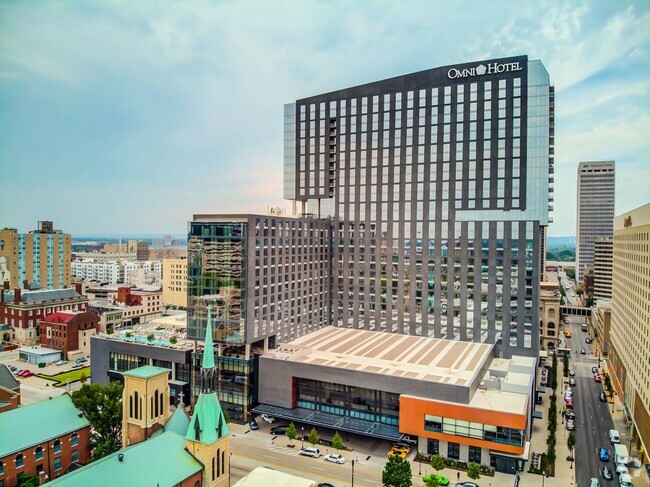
point(122, 305)
point(9, 390)
point(174, 281)
point(107, 272)
point(105, 257)
point(47, 436)
point(70, 332)
point(22, 309)
point(37, 354)
point(143, 273)
point(457, 398)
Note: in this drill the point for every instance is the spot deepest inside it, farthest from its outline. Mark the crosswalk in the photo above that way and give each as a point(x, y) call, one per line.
point(282, 449)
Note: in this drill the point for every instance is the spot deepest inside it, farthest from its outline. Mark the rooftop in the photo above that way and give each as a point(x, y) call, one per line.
point(60, 317)
point(268, 477)
point(28, 297)
point(145, 372)
point(428, 359)
point(29, 425)
point(161, 460)
point(38, 350)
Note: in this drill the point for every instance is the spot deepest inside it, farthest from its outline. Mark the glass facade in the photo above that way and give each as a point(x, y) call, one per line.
point(440, 187)
point(469, 429)
point(344, 400)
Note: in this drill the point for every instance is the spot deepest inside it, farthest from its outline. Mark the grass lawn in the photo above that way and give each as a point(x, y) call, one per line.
point(73, 375)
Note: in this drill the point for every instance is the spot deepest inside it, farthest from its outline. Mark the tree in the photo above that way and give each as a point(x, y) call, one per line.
point(28, 481)
point(83, 378)
point(566, 366)
point(291, 432)
point(474, 471)
point(397, 473)
point(173, 340)
point(337, 442)
point(102, 406)
point(571, 442)
point(151, 337)
point(431, 481)
point(437, 463)
point(313, 437)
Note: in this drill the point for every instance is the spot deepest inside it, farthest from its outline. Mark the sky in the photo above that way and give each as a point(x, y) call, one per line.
point(129, 117)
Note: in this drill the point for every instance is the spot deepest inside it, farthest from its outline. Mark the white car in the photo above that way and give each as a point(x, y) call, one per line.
point(77, 365)
point(310, 452)
point(61, 362)
point(334, 458)
point(268, 419)
point(620, 468)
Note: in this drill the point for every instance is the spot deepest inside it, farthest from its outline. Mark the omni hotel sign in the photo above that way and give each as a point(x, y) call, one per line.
point(481, 69)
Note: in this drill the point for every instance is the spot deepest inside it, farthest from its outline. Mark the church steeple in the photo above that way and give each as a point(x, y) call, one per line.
point(207, 364)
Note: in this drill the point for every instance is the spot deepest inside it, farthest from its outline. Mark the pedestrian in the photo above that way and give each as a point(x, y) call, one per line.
point(458, 476)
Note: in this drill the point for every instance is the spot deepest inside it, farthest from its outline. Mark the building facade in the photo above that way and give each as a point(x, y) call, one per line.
point(107, 272)
point(45, 437)
point(601, 325)
point(630, 327)
point(595, 210)
point(439, 184)
point(174, 281)
point(70, 332)
point(603, 248)
point(549, 312)
point(21, 309)
point(41, 256)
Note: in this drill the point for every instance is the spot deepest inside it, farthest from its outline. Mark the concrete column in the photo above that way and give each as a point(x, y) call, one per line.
point(173, 370)
point(266, 344)
point(247, 352)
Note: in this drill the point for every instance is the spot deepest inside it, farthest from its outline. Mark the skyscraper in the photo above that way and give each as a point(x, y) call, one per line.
point(595, 209)
point(438, 184)
point(42, 256)
point(603, 247)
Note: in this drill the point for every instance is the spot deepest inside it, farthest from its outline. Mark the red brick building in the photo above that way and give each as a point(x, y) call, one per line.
point(22, 309)
point(69, 331)
point(47, 436)
point(9, 390)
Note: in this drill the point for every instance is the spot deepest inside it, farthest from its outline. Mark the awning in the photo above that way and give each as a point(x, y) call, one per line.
point(333, 421)
point(523, 456)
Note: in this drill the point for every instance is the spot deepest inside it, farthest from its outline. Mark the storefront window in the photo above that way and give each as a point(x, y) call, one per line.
point(475, 454)
point(453, 450)
point(433, 446)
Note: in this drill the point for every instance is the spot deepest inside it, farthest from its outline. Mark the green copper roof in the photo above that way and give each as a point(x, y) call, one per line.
point(208, 423)
point(146, 372)
point(29, 425)
point(208, 348)
point(178, 422)
point(161, 460)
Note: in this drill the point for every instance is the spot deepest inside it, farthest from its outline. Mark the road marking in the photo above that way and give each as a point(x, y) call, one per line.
point(282, 449)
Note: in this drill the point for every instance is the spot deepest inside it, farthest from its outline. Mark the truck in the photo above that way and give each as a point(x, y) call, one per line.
point(620, 454)
point(584, 327)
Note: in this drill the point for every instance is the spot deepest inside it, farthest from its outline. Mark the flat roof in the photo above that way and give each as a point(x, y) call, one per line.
point(497, 400)
point(38, 350)
point(422, 358)
point(146, 371)
point(268, 477)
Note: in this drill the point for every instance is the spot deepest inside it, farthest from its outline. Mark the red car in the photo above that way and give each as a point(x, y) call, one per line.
point(29, 373)
point(598, 378)
point(24, 373)
point(569, 403)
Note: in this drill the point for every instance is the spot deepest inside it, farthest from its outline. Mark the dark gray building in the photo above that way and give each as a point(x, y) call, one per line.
point(438, 183)
point(110, 356)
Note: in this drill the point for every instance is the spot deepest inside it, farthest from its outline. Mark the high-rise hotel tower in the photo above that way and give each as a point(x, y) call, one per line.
point(438, 183)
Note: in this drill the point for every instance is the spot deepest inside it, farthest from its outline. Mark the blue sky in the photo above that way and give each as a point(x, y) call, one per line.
point(128, 117)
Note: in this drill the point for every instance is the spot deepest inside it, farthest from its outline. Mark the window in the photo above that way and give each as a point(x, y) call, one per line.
point(20, 460)
point(57, 446)
point(432, 423)
point(475, 454)
point(2, 468)
point(74, 439)
point(39, 453)
point(453, 450)
point(75, 455)
point(57, 463)
point(433, 446)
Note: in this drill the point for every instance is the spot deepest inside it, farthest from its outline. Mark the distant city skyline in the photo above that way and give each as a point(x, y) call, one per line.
point(132, 117)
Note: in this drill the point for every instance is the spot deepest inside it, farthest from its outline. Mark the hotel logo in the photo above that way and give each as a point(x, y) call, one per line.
point(482, 69)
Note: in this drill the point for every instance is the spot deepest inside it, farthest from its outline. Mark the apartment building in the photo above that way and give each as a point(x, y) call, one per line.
point(174, 281)
point(603, 248)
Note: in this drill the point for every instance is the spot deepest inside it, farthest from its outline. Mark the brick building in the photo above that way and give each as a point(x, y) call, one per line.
point(47, 437)
point(69, 331)
point(9, 390)
point(22, 309)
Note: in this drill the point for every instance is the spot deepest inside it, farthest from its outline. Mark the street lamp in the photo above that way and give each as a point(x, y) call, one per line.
point(352, 473)
point(302, 437)
point(229, 468)
point(543, 477)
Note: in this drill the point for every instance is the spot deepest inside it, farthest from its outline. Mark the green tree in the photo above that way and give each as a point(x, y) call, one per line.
point(28, 481)
point(397, 473)
point(313, 437)
point(437, 463)
point(291, 433)
point(431, 481)
point(474, 471)
point(566, 366)
point(151, 337)
point(102, 406)
point(571, 442)
point(83, 378)
point(337, 442)
point(173, 340)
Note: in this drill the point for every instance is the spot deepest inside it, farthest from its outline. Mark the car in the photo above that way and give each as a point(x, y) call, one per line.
point(253, 425)
point(570, 415)
point(540, 400)
point(25, 373)
point(605, 353)
point(588, 340)
point(13, 368)
point(28, 373)
point(334, 458)
point(607, 473)
point(572, 373)
point(594, 482)
point(401, 444)
point(396, 453)
point(401, 449)
point(594, 370)
point(240, 379)
point(279, 430)
point(268, 419)
point(572, 381)
point(310, 451)
point(18, 372)
point(583, 352)
point(614, 437)
point(81, 360)
point(569, 403)
point(570, 425)
point(598, 378)
point(77, 365)
point(408, 440)
point(467, 484)
point(621, 469)
point(603, 454)
point(544, 371)
point(61, 362)
point(325, 484)
point(441, 480)
point(602, 397)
